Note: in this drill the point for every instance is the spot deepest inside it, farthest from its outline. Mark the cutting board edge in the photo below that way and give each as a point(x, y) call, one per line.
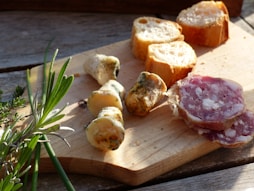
point(138, 172)
point(129, 176)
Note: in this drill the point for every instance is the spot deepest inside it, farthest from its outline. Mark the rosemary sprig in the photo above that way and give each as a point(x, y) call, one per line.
point(18, 147)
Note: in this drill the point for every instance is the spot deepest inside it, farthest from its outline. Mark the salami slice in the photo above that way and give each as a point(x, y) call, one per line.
point(209, 102)
point(241, 132)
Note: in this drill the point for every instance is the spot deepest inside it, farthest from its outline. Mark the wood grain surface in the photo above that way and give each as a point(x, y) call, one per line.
point(27, 34)
point(233, 179)
point(20, 51)
point(157, 143)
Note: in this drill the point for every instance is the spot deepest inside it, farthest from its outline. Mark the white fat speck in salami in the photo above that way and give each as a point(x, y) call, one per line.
point(241, 132)
point(210, 102)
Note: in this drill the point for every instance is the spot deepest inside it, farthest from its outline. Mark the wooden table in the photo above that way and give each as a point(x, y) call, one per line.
point(24, 36)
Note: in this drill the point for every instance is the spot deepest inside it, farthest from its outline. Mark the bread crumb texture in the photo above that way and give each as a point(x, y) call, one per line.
point(202, 14)
point(151, 30)
point(171, 61)
point(205, 23)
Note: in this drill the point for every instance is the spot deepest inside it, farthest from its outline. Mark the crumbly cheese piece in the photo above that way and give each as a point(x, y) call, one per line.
point(110, 94)
point(102, 67)
point(106, 132)
point(145, 93)
point(112, 112)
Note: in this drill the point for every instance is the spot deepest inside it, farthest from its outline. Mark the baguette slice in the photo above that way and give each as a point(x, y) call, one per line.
point(205, 23)
point(171, 61)
point(150, 30)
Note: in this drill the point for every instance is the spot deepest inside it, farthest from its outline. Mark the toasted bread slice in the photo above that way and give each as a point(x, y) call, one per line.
point(151, 30)
point(171, 61)
point(205, 23)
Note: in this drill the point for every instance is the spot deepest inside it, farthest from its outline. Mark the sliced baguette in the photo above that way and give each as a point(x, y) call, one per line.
point(171, 61)
point(150, 30)
point(205, 23)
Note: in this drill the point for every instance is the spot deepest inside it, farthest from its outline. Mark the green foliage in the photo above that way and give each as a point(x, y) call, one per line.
point(19, 145)
point(8, 109)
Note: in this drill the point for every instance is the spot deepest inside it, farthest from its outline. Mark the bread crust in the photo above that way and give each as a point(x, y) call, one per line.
point(212, 33)
point(151, 30)
point(180, 63)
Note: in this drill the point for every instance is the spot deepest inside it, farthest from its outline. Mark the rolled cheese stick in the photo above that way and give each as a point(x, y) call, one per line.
point(110, 94)
point(106, 132)
point(145, 93)
point(114, 86)
point(102, 68)
point(112, 112)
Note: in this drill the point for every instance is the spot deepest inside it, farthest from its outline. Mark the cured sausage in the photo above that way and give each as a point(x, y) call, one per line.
point(209, 102)
point(241, 132)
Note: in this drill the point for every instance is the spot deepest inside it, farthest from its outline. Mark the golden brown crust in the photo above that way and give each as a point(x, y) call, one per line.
point(151, 30)
point(211, 34)
point(174, 67)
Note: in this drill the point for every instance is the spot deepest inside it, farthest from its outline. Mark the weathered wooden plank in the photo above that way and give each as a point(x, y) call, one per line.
point(248, 12)
point(212, 162)
point(50, 181)
point(243, 24)
point(115, 6)
point(27, 34)
point(234, 179)
point(9, 81)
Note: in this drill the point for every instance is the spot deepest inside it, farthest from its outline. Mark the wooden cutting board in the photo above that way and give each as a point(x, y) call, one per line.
point(154, 144)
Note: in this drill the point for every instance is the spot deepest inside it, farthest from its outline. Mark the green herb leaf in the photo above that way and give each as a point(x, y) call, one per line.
point(18, 145)
point(26, 153)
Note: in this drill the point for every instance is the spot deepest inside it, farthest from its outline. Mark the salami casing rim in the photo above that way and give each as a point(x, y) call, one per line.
point(209, 102)
point(240, 133)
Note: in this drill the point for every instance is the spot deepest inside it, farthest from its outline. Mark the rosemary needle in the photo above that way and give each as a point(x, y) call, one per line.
point(18, 146)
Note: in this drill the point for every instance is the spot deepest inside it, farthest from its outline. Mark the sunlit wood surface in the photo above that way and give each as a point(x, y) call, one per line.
point(24, 36)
